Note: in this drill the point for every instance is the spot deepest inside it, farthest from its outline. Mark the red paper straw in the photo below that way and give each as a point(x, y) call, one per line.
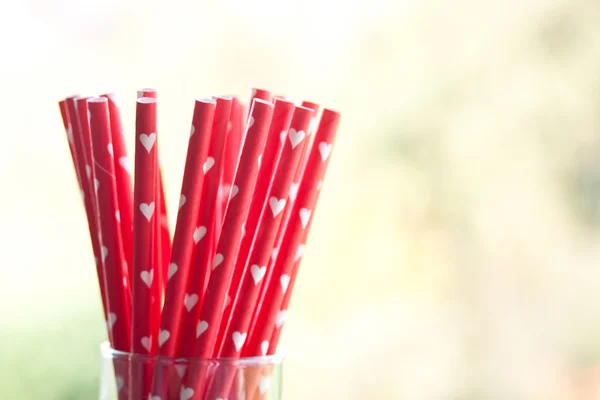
point(282, 116)
point(233, 143)
point(146, 300)
point(69, 131)
point(87, 188)
point(145, 306)
point(223, 262)
point(122, 167)
point(204, 233)
point(295, 232)
point(163, 246)
point(257, 262)
point(306, 144)
point(112, 257)
point(186, 230)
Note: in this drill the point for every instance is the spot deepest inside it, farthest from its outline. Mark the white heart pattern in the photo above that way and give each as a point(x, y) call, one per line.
point(70, 133)
point(239, 339)
point(180, 369)
point(274, 253)
point(277, 205)
point(280, 318)
point(147, 342)
point(217, 261)
point(258, 273)
point(199, 233)
point(299, 252)
point(305, 216)
point(192, 130)
point(185, 393)
point(120, 383)
point(124, 163)
point(285, 281)
point(282, 136)
point(294, 190)
point(109, 147)
point(190, 301)
point(147, 210)
point(182, 200)
point(250, 122)
point(148, 141)
point(96, 185)
point(296, 137)
point(88, 171)
point(264, 383)
point(110, 321)
point(147, 277)
point(325, 150)
point(208, 164)
point(264, 347)
point(201, 328)
point(172, 269)
point(104, 253)
point(150, 397)
point(163, 336)
point(234, 191)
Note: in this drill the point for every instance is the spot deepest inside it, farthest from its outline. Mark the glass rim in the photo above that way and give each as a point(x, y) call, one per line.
point(109, 353)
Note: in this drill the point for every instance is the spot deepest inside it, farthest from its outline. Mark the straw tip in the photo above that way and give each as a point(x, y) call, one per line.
point(146, 100)
point(97, 100)
point(265, 102)
point(305, 108)
point(142, 92)
point(206, 100)
point(222, 97)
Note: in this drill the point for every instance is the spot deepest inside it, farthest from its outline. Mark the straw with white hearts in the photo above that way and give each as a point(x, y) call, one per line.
point(112, 257)
point(163, 238)
point(257, 262)
point(282, 116)
point(69, 131)
point(87, 192)
point(223, 262)
point(232, 147)
point(271, 314)
point(204, 232)
point(186, 233)
point(118, 150)
point(145, 306)
point(291, 199)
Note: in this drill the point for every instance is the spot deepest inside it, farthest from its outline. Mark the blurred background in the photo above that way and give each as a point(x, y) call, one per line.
point(455, 252)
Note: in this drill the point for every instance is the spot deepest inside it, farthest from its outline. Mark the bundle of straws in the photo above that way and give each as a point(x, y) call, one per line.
point(222, 285)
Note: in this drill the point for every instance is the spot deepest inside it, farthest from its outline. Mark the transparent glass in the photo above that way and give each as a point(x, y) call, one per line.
point(128, 376)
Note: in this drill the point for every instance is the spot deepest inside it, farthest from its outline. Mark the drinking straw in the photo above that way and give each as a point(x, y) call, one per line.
point(223, 262)
point(123, 179)
point(282, 116)
point(256, 264)
point(204, 233)
point(295, 231)
point(112, 257)
point(186, 232)
point(146, 303)
point(69, 131)
point(291, 199)
point(233, 144)
point(87, 190)
point(163, 245)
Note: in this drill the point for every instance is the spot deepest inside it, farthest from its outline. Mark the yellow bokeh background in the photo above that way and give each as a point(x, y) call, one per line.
point(455, 252)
